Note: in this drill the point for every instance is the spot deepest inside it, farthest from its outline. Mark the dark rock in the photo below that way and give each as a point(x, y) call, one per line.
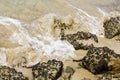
point(7, 73)
point(81, 36)
point(112, 27)
point(73, 39)
point(51, 70)
point(97, 60)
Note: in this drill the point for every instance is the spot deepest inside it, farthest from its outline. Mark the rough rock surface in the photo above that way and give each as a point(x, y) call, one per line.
point(112, 27)
point(99, 60)
point(73, 39)
point(7, 73)
point(51, 70)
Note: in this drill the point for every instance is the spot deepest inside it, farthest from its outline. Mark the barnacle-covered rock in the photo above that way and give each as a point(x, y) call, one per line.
point(73, 39)
point(112, 27)
point(51, 70)
point(7, 73)
point(97, 60)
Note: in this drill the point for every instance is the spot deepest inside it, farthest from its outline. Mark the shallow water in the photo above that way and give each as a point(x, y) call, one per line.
point(26, 27)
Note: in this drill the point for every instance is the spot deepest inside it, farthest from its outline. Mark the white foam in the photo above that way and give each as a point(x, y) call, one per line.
point(42, 43)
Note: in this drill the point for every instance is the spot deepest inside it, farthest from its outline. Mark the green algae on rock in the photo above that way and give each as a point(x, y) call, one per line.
point(51, 70)
point(7, 73)
point(112, 27)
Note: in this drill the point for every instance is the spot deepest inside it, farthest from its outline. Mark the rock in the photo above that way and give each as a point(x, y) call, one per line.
point(73, 39)
point(7, 73)
point(67, 73)
point(112, 27)
point(97, 60)
point(51, 70)
point(81, 36)
point(61, 26)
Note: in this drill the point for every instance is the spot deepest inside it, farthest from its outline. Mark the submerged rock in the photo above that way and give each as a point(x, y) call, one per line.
point(112, 27)
point(7, 73)
point(73, 39)
point(51, 70)
point(67, 73)
point(99, 60)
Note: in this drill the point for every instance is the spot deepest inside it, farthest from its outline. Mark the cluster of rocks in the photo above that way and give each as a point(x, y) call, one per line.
point(51, 70)
point(73, 38)
point(98, 60)
point(7, 73)
point(112, 27)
